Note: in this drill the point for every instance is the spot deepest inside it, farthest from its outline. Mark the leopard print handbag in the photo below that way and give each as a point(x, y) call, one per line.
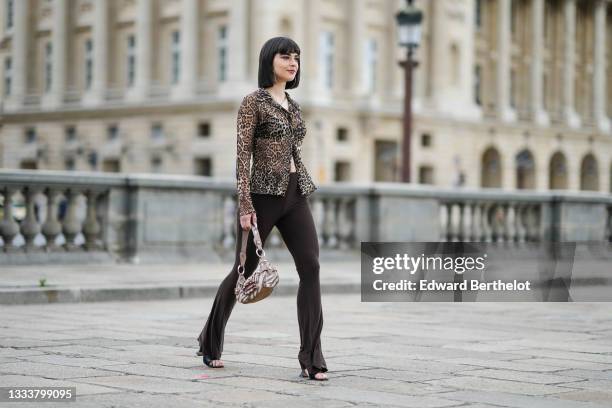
point(262, 281)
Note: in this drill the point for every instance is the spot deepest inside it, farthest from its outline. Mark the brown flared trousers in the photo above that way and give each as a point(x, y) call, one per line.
point(291, 215)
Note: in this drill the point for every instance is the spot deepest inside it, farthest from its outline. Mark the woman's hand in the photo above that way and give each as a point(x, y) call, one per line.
point(247, 220)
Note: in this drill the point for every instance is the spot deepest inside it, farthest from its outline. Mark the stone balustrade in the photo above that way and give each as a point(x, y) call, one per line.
point(61, 216)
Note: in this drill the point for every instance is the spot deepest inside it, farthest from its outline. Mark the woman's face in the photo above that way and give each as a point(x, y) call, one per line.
point(286, 66)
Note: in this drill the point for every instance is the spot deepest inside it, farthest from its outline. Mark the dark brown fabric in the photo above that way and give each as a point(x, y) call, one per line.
point(292, 216)
point(272, 135)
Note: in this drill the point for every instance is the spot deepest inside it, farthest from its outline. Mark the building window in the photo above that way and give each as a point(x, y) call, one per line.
point(525, 170)
point(455, 67)
point(477, 85)
point(112, 132)
point(92, 159)
point(156, 164)
point(426, 175)
point(30, 135)
point(204, 129)
point(386, 160)
point(478, 14)
point(342, 171)
point(426, 140)
point(48, 66)
point(8, 68)
point(111, 166)
point(10, 13)
point(222, 53)
point(70, 164)
point(203, 166)
point(370, 64)
point(491, 170)
point(131, 60)
point(176, 56)
point(88, 63)
point(28, 164)
point(157, 131)
point(70, 134)
point(342, 134)
point(327, 58)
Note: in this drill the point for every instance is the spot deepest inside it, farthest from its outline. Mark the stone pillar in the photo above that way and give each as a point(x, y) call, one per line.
point(238, 45)
point(569, 68)
point(468, 58)
point(189, 49)
point(537, 39)
point(599, 66)
point(19, 53)
point(316, 90)
point(142, 82)
point(358, 42)
point(55, 97)
point(394, 54)
point(96, 94)
point(505, 111)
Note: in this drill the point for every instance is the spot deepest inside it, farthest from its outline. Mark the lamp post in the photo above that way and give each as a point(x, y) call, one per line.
point(409, 34)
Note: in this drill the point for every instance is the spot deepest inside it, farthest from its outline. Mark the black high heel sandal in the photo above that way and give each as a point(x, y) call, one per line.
point(305, 374)
point(209, 363)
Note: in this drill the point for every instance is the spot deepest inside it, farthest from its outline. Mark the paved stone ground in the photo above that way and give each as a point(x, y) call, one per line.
point(142, 354)
point(104, 282)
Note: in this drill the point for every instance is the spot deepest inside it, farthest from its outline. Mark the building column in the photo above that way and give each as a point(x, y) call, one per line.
point(599, 66)
point(313, 28)
point(358, 37)
point(189, 49)
point(55, 96)
point(97, 93)
point(19, 53)
point(142, 81)
point(505, 111)
point(238, 46)
point(569, 69)
point(394, 86)
point(537, 39)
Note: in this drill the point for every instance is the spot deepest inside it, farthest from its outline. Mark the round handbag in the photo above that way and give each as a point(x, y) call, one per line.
point(261, 282)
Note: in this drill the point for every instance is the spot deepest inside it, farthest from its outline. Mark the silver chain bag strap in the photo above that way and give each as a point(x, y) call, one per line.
point(261, 282)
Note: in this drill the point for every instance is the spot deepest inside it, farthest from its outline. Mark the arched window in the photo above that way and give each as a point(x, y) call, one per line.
point(525, 170)
point(557, 172)
point(589, 175)
point(491, 173)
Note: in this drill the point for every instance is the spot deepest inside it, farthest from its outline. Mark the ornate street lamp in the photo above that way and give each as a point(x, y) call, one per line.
point(409, 34)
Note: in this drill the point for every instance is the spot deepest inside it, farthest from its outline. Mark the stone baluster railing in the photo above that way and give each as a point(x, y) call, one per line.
point(161, 217)
point(51, 226)
point(489, 221)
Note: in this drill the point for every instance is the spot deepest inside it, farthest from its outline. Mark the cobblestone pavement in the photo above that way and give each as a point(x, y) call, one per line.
point(137, 354)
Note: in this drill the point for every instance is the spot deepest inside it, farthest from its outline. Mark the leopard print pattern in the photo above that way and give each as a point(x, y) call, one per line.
point(272, 135)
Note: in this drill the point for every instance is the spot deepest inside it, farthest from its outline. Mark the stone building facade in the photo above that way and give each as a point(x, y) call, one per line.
point(508, 93)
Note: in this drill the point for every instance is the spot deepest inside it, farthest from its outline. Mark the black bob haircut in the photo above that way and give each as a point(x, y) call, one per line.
point(276, 45)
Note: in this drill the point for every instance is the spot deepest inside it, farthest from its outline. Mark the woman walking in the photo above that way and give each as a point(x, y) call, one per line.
point(274, 193)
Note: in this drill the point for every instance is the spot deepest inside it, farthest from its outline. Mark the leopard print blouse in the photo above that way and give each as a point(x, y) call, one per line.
point(272, 134)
